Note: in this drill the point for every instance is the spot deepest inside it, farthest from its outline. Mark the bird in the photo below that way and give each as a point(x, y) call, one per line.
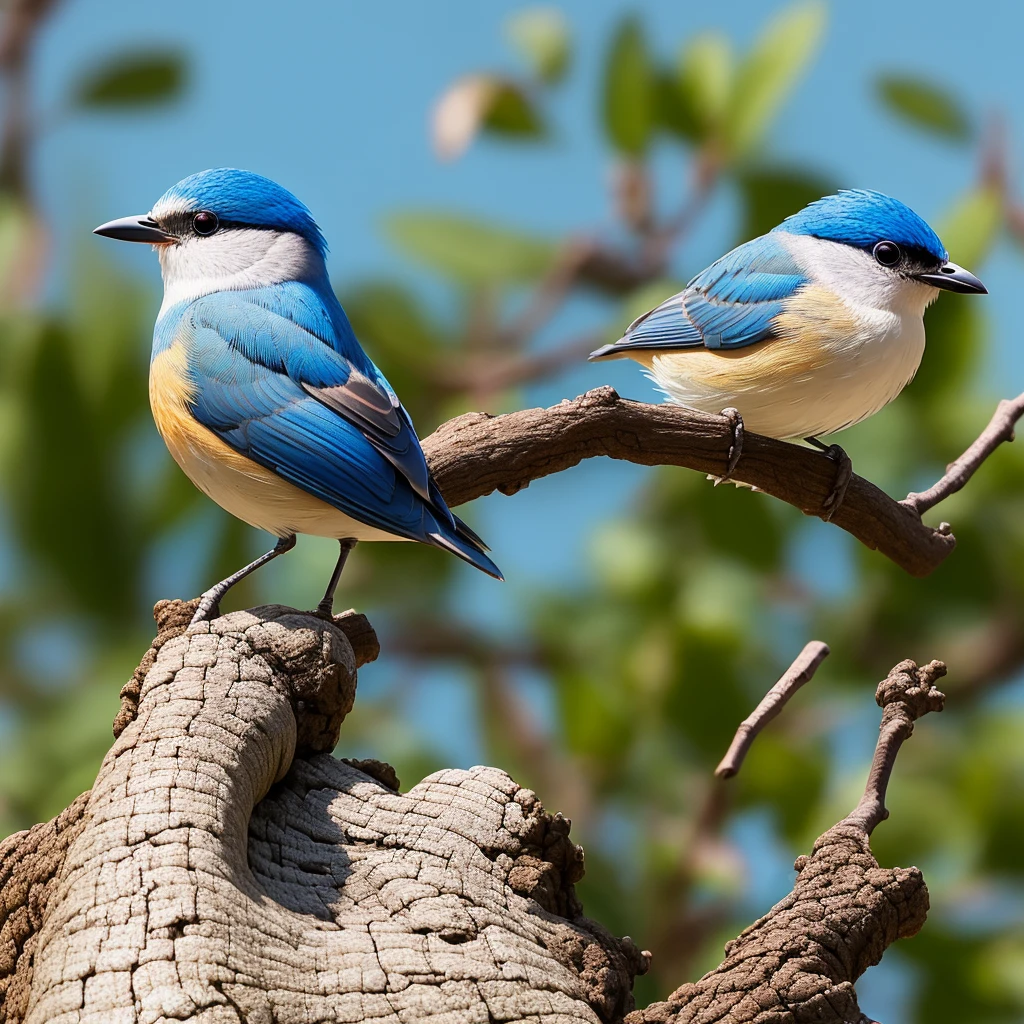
point(803, 331)
point(261, 390)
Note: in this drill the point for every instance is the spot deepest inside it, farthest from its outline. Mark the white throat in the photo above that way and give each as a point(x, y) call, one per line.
point(233, 259)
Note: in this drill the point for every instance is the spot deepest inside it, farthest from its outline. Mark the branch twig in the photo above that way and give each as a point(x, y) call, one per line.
point(801, 671)
point(999, 429)
point(907, 693)
point(475, 454)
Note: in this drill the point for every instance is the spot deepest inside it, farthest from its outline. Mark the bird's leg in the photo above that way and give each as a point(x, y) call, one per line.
point(326, 606)
point(844, 473)
point(736, 448)
point(209, 602)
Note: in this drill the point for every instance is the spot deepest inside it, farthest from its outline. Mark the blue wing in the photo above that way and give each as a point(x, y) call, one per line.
point(279, 376)
point(729, 305)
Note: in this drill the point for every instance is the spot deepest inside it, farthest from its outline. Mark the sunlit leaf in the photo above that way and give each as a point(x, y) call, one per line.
point(132, 80)
point(629, 90)
point(468, 250)
point(704, 76)
point(21, 243)
point(769, 72)
point(541, 35)
point(477, 103)
point(925, 105)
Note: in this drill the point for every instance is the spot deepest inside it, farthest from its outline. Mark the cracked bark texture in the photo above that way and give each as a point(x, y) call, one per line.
point(225, 867)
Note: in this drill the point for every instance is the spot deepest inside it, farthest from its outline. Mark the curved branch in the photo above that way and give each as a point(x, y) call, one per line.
point(800, 961)
point(475, 454)
point(999, 429)
point(801, 671)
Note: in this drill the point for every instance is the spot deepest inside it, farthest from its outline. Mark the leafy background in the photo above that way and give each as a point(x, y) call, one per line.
point(505, 188)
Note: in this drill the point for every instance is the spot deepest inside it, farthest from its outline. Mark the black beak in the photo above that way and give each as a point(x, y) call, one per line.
point(135, 229)
point(953, 279)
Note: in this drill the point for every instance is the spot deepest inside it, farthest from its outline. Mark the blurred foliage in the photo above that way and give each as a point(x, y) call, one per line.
point(925, 105)
point(541, 35)
point(614, 695)
point(132, 80)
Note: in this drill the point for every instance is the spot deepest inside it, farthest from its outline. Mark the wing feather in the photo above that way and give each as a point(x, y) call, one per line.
point(729, 305)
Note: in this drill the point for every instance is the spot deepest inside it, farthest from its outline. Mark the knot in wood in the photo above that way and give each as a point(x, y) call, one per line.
point(913, 687)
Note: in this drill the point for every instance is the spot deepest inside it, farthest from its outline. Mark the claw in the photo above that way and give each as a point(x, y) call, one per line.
point(844, 473)
point(209, 608)
point(736, 448)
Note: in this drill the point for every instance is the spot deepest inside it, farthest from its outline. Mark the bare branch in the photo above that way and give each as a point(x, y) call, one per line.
point(800, 961)
point(550, 293)
point(999, 429)
point(475, 454)
point(907, 693)
point(18, 34)
point(801, 671)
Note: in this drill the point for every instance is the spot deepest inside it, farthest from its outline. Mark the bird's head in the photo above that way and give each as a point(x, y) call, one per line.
point(876, 250)
point(225, 229)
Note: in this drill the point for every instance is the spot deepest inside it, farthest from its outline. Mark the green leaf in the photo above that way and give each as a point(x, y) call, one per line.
point(19, 235)
point(705, 74)
point(132, 80)
point(511, 112)
point(769, 72)
point(924, 105)
point(629, 90)
point(470, 251)
point(541, 35)
point(770, 194)
point(970, 228)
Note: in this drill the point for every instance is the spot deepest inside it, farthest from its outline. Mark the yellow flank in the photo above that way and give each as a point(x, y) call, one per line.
point(807, 333)
point(817, 316)
point(240, 486)
point(170, 394)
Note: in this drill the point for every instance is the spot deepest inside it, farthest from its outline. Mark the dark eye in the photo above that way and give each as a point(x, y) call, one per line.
point(887, 253)
point(205, 223)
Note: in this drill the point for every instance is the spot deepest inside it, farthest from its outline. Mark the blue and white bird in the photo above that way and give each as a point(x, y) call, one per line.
point(808, 329)
point(260, 389)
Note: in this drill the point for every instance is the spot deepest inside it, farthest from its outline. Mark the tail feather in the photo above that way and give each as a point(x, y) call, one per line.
point(466, 550)
point(467, 533)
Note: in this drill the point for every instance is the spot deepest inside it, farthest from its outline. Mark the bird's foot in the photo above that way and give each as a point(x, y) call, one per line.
point(209, 602)
point(209, 606)
point(325, 609)
point(736, 448)
point(844, 473)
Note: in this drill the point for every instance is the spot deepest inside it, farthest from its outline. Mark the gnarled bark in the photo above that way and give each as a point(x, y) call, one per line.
point(476, 454)
point(225, 867)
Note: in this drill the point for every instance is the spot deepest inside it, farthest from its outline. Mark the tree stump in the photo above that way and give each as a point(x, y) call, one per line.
point(226, 867)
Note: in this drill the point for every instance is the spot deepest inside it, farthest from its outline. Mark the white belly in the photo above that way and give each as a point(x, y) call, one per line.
point(804, 384)
point(262, 499)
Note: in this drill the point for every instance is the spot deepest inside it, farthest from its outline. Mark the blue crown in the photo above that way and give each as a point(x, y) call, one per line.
point(861, 218)
point(242, 197)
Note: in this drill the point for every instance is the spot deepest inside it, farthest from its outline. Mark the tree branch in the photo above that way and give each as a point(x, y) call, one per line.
point(999, 429)
point(476, 454)
point(799, 961)
point(907, 693)
point(801, 671)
